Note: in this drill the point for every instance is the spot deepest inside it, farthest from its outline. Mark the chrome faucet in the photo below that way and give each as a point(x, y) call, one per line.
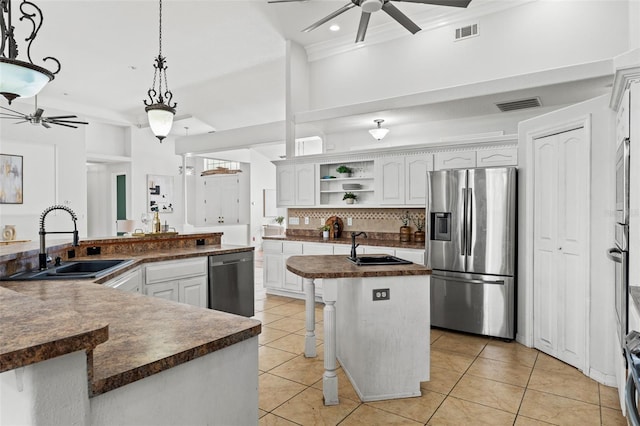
point(354, 245)
point(42, 257)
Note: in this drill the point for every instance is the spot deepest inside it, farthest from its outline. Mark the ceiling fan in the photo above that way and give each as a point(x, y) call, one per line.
point(370, 6)
point(37, 118)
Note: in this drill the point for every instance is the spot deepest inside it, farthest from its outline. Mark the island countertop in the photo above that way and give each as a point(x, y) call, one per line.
point(337, 266)
point(128, 336)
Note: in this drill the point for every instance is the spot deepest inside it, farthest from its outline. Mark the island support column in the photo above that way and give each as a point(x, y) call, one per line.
point(330, 377)
point(310, 317)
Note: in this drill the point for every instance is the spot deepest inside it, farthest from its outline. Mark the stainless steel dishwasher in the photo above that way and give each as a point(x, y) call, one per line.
point(231, 286)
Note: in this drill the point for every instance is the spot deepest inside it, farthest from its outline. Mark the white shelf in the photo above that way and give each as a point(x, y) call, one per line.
point(349, 178)
point(335, 191)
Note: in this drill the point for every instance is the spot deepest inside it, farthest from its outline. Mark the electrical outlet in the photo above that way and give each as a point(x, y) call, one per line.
point(306, 220)
point(349, 221)
point(381, 294)
point(294, 221)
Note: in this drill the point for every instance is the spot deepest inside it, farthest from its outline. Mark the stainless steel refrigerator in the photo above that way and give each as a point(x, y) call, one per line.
point(472, 250)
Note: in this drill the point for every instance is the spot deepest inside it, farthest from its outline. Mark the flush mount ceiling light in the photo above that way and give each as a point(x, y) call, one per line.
point(379, 132)
point(21, 79)
point(160, 114)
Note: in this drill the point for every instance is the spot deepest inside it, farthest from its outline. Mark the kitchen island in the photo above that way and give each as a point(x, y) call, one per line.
point(77, 352)
point(376, 323)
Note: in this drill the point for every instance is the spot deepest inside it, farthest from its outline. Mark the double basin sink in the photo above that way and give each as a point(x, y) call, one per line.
point(72, 270)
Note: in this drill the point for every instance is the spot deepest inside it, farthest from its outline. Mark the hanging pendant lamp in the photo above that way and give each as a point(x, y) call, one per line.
point(379, 132)
point(18, 78)
point(159, 110)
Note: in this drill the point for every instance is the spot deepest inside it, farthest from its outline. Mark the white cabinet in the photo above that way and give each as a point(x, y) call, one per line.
point(221, 200)
point(390, 180)
point(454, 160)
point(183, 281)
point(291, 281)
point(378, 250)
point(623, 120)
point(272, 264)
point(129, 281)
point(296, 185)
point(482, 157)
point(412, 255)
point(415, 178)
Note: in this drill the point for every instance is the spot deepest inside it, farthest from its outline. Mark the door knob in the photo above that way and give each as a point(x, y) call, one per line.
point(559, 248)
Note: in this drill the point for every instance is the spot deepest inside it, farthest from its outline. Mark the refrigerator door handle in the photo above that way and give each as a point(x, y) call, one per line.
point(469, 223)
point(615, 254)
point(463, 221)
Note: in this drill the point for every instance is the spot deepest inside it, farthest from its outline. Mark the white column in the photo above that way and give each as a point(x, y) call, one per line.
point(310, 317)
point(330, 377)
point(185, 226)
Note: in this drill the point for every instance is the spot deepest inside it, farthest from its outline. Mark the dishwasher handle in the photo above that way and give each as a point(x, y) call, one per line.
point(230, 262)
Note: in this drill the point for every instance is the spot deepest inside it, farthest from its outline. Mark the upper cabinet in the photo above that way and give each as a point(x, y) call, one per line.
point(497, 157)
point(489, 157)
point(454, 160)
point(296, 185)
point(401, 180)
point(415, 178)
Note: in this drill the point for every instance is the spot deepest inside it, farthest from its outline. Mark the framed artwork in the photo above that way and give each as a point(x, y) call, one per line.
point(160, 193)
point(10, 179)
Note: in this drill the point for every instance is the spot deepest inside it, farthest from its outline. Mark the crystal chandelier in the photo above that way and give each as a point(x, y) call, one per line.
point(159, 109)
point(21, 79)
point(379, 132)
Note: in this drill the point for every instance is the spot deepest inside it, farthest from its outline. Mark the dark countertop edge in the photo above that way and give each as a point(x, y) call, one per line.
point(364, 241)
point(361, 271)
point(115, 381)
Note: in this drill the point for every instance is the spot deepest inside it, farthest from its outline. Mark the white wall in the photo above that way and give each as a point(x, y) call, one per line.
point(263, 176)
point(634, 24)
point(536, 36)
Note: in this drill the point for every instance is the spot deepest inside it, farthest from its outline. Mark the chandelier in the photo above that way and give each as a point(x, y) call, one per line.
point(21, 79)
point(379, 132)
point(160, 114)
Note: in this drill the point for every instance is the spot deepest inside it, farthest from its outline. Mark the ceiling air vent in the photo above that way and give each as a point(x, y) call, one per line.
point(519, 104)
point(466, 32)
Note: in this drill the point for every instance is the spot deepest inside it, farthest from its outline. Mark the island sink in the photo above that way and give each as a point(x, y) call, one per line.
point(73, 270)
point(378, 260)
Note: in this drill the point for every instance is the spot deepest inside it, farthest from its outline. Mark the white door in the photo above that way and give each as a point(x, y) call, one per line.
point(561, 238)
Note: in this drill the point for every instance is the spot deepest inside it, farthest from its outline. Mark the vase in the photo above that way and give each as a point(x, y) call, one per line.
point(9, 233)
point(344, 175)
point(418, 236)
point(325, 235)
point(405, 234)
point(349, 200)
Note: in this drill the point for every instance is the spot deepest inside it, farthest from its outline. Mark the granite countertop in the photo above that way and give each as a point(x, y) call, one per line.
point(347, 240)
point(43, 319)
point(337, 266)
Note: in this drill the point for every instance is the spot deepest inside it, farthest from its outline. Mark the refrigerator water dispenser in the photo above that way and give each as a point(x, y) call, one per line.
point(441, 226)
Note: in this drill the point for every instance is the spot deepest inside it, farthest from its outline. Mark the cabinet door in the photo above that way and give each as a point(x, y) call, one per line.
point(131, 281)
point(454, 160)
point(305, 183)
point(272, 270)
point(497, 157)
point(415, 173)
point(412, 255)
point(167, 290)
point(285, 185)
point(175, 269)
point(291, 281)
point(390, 180)
point(623, 119)
point(193, 291)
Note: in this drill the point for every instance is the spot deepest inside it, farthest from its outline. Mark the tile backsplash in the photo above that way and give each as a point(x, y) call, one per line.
point(362, 219)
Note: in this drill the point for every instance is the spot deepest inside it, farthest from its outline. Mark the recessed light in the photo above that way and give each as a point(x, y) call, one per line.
point(335, 27)
point(133, 68)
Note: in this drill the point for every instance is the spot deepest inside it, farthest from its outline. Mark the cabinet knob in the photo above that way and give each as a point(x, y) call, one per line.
point(559, 248)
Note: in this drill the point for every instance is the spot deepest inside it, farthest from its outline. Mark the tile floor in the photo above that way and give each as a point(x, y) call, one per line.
point(474, 381)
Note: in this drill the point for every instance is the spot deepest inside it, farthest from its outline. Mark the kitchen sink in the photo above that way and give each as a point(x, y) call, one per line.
point(378, 260)
point(73, 270)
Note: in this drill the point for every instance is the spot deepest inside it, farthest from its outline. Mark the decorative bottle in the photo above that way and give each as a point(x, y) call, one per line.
point(156, 222)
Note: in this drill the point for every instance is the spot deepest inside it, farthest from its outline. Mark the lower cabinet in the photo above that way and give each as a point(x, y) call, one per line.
point(129, 281)
point(183, 281)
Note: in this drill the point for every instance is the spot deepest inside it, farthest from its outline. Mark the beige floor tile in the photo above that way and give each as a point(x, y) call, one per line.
point(288, 324)
point(263, 305)
point(456, 412)
point(271, 420)
point(269, 358)
point(345, 388)
point(489, 392)
point(461, 343)
point(442, 380)
point(609, 397)
point(266, 317)
point(261, 413)
point(558, 410)
point(274, 390)
point(293, 343)
point(419, 409)
point(436, 333)
point(505, 372)
point(450, 360)
point(509, 352)
point(549, 363)
point(568, 383)
point(611, 417)
point(286, 309)
point(307, 408)
point(300, 369)
point(366, 415)
point(526, 421)
point(269, 334)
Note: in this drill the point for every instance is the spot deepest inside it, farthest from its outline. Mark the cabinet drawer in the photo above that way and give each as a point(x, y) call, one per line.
point(497, 157)
point(165, 271)
point(379, 250)
point(454, 160)
point(318, 249)
point(291, 248)
point(269, 246)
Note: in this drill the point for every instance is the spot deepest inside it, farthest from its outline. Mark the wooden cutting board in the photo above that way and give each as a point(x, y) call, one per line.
point(331, 222)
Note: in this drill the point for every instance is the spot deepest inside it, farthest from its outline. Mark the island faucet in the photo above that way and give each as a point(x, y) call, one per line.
point(42, 257)
point(354, 245)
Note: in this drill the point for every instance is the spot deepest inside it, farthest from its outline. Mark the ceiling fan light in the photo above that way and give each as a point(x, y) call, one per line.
point(371, 6)
point(160, 119)
point(20, 79)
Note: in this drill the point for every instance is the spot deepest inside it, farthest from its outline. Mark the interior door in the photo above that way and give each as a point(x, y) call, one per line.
point(561, 210)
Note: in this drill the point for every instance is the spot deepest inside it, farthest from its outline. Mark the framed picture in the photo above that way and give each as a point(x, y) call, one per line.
point(160, 193)
point(10, 179)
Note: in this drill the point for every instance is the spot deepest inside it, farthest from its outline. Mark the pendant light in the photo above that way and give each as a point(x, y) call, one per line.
point(159, 109)
point(21, 79)
point(379, 132)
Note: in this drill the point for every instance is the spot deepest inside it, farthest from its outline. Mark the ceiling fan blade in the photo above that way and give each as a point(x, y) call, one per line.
point(7, 115)
point(48, 120)
point(45, 125)
point(12, 110)
point(286, 1)
point(62, 116)
point(38, 113)
point(362, 28)
point(62, 124)
point(402, 19)
point(329, 17)
point(23, 121)
point(452, 3)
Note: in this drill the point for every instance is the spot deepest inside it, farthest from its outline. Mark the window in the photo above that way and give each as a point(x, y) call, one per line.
point(308, 146)
point(212, 163)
